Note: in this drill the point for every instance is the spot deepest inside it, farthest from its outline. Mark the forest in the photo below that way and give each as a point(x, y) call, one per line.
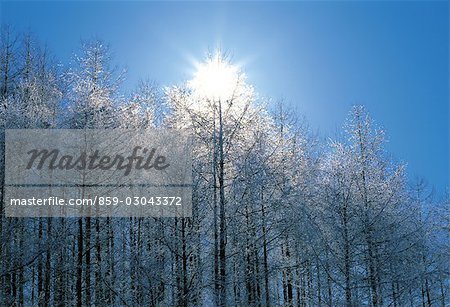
point(279, 216)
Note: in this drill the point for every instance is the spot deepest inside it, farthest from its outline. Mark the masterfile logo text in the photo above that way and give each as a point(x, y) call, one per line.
point(118, 172)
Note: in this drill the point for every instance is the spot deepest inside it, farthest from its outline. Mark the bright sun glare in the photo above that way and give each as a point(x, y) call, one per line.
point(216, 78)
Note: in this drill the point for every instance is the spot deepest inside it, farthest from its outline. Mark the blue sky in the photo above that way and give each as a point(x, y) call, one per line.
point(321, 57)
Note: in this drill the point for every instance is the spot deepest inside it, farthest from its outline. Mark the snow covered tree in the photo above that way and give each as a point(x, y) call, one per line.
point(278, 217)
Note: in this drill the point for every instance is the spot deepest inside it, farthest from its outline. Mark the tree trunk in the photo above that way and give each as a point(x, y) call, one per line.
point(347, 265)
point(222, 226)
point(265, 253)
point(88, 262)
point(80, 264)
point(48, 267)
point(98, 265)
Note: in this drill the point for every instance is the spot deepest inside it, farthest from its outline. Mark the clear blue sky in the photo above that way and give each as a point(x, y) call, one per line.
point(321, 57)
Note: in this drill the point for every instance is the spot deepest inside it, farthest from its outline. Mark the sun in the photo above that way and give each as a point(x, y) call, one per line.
point(215, 79)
